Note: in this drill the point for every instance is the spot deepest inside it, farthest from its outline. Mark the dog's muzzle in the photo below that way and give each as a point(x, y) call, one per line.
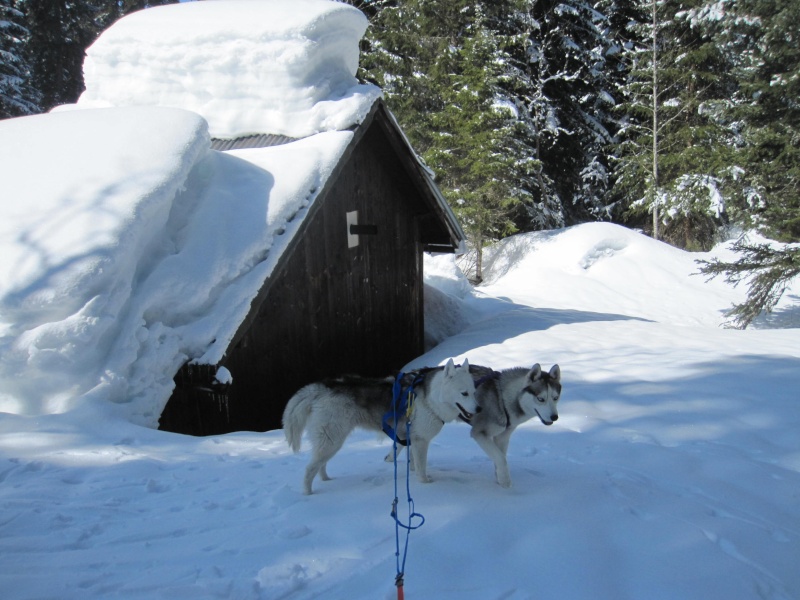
point(553, 419)
point(464, 414)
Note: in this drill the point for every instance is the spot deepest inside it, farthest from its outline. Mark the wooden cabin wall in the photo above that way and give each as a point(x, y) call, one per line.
point(331, 309)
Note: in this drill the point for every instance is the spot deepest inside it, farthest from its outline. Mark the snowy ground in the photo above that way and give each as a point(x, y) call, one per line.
point(673, 472)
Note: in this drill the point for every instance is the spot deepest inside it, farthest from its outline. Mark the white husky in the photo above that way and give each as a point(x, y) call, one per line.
point(331, 409)
point(508, 399)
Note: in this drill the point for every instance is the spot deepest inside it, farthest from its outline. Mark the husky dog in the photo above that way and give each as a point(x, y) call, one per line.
point(508, 399)
point(331, 409)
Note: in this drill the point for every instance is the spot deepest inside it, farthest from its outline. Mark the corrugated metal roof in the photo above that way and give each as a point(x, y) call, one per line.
point(261, 140)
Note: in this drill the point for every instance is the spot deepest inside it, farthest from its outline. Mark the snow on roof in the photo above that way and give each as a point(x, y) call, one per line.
point(128, 246)
point(247, 66)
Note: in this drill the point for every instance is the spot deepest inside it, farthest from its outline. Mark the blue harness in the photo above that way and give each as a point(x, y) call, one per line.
point(402, 404)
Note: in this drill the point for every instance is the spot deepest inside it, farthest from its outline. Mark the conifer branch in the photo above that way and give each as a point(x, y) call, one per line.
point(767, 271)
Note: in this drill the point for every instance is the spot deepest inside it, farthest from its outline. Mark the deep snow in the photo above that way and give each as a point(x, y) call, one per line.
point(247, 67)
point(142, 248)
point(127, 246)
point(673, 472)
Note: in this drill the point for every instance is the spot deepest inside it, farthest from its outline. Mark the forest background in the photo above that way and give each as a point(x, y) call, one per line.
point(681, 118)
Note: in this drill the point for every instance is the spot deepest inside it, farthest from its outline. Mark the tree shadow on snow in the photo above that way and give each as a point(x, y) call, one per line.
point(749, 398)
point(492, 320)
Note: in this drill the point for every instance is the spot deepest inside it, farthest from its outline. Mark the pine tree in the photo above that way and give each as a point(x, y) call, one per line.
point(60, 32)
point(765, 35)
point(441, 65)
point(473, 136)
point(766, 268)
point(508, 101)
point(58, 38)
point(567, 100)
point(16, 95)
point(769, 36)
point(675, 150)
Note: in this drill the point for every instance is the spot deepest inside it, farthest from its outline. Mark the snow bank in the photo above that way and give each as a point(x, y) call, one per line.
point(446, 288)
point(607, 268)
point(672, 473)
point(86, 194)
point(246, 66)
point(141, 249)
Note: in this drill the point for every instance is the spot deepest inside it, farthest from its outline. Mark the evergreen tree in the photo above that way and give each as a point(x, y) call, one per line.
point(676, 144)
point(765, 35)
point(769, 38)
point(399, 54)
point(16, 96)
point(60, 32)
point(442, 66)
point(766, 268)
point(506, 100)
point(567, 98)
point(473, 136)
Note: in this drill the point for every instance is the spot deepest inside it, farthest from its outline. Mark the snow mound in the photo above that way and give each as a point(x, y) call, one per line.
point(606, 268)
point(446, 289)
point(68, 234)
point(71, 242)
point(686, 436)
point(142, 249)
point(442, 272)
point(246, 66)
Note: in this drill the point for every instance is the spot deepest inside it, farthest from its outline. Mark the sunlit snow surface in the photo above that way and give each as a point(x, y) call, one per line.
point(246, 66)
point(127, 246)
point(673, 471)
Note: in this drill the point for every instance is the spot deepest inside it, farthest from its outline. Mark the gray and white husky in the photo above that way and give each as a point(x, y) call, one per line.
point(509, 398)
point(329, 410)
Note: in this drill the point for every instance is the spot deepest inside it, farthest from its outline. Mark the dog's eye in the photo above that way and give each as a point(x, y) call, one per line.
point(465, 394)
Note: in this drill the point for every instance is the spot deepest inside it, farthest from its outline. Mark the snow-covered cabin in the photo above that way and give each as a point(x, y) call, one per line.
point(294, 254)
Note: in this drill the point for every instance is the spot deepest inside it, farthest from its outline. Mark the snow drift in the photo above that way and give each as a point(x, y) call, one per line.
point(247, 67)
point(672, 472)
point(140, 250)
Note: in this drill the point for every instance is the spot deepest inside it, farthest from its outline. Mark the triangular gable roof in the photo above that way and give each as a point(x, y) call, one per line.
point(419, 173)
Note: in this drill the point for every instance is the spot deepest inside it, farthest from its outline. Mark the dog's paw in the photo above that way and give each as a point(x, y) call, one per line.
point(503, 476)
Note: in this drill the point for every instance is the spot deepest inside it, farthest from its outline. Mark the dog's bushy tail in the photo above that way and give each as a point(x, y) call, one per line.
point(295, 415)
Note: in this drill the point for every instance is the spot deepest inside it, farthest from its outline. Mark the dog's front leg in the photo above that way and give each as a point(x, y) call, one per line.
point(390, 457)
point(418, 454)
point(503, 438)
point(494, 452)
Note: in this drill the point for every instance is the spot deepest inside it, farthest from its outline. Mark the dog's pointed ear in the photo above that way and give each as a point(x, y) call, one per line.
point(535, 372)
point(555, 373)
point(466, 364)
point(449, 368)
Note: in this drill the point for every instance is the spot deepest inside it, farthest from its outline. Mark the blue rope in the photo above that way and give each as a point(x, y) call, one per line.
point(412, 514)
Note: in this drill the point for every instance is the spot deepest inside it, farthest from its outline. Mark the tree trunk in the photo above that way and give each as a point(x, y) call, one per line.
point(655, 121)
